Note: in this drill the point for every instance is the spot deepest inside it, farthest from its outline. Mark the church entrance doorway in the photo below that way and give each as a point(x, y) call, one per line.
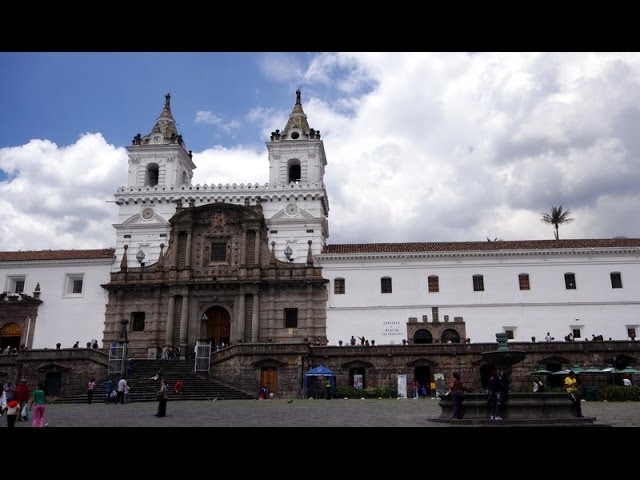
point(53, 383)
point(423, 376)
point(269, 378)
point(218, 326)
point(10, 335)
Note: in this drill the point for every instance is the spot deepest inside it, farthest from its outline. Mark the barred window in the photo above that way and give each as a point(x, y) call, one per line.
point(338, 286)
point(478, 283)
point(434, 284)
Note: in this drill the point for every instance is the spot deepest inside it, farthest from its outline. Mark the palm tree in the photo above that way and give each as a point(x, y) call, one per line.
point(556, 218)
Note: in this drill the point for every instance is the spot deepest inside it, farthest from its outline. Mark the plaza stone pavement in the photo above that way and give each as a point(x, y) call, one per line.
point(283, 413)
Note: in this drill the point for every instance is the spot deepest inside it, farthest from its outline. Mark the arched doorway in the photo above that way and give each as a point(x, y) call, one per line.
point(10, 335)
point(423, 375)
point(450, 336)
point(422, 336)
point(269, 379)
point(218, 325)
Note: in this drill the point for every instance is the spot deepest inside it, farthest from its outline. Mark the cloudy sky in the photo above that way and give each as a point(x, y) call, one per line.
point(420, 146)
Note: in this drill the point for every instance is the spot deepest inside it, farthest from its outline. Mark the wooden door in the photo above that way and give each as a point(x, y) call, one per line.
point(269, 378)
point(218, 326)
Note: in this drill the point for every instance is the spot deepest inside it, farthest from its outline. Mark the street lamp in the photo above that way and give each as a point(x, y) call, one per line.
point(140, 257)
point(288, 252)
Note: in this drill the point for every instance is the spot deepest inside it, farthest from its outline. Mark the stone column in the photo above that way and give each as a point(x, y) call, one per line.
point(238, 326)
point(184, 323)
point(187, 260)
point(168, 337)
point(255, 319)
point(256, 249)
point(243, 250)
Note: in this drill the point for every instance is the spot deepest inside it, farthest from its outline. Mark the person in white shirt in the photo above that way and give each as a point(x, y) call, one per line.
point(122, 388)
point(626, 382)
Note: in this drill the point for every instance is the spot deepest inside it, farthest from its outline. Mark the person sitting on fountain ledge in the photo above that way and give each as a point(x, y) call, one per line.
point(456, 388)
point(570, 385)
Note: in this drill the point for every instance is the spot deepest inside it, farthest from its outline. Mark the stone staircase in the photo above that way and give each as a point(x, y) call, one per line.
point(144, 389)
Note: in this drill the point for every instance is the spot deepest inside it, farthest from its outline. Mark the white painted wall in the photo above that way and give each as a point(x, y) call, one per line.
point(64, 318)
point(594, 306)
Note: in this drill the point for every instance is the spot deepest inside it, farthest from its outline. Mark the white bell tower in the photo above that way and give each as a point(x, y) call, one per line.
point(296, 171)
point(159, 166)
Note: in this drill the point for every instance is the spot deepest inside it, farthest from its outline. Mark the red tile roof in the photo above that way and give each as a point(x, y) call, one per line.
point(481, 246)
point(56, 255)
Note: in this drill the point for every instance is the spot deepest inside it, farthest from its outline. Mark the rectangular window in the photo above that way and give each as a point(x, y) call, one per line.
point(385, 285)
point(570, 281)
point(218, 251)
point(523, 280)
point(509, 334)
point(616, 280)
point(434, 284)
point(137, 320)
point(631, 333)
point(478, 283)
point(74, 284)
point(290, 318)
point(576, 333)
point(338, 286)
point(15, 284)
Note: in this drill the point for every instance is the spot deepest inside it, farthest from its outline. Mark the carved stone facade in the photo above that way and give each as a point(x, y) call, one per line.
point(217, 281)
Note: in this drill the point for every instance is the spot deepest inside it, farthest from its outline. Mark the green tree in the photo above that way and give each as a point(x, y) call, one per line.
point(556, 218)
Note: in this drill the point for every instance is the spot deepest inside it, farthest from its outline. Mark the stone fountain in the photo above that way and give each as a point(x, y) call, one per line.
point(520, 408)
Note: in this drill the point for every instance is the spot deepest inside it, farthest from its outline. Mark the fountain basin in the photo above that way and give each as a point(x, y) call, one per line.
point(525, 408)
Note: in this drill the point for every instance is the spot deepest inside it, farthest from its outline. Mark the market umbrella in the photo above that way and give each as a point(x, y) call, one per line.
point(629, 370)
point(611, 370)
point(594, 370)
point(540, 371)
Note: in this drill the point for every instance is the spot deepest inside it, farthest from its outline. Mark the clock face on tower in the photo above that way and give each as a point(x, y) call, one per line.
point(291, 209)
point(147, 213)
point(157, 138)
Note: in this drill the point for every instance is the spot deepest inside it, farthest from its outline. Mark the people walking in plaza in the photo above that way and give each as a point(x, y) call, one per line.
point(12, 411)
point(571, 386)
point(456, 389)
point(91, 388)
point(163, 395)
point(179, 386)
point(22, 395)
point(538, 386)
point(497, 393)
point(37, 406)
point(108, 386)
point(122, 388)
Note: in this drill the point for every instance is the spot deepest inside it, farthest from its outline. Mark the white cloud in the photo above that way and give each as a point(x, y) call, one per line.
point(281, 67)
point(420, 147)
point(204, 116)
point(58, 197)
point(458, 147)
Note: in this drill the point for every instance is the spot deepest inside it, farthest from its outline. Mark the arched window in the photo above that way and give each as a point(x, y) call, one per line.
point(152, 175)
point(422, 336)
point(450, 336)
point(294, 170)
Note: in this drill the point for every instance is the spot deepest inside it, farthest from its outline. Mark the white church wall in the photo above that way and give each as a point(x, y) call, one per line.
point(63, 316)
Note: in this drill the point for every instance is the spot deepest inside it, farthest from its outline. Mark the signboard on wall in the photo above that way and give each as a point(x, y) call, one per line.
point(402, 385)
point(357, 381)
